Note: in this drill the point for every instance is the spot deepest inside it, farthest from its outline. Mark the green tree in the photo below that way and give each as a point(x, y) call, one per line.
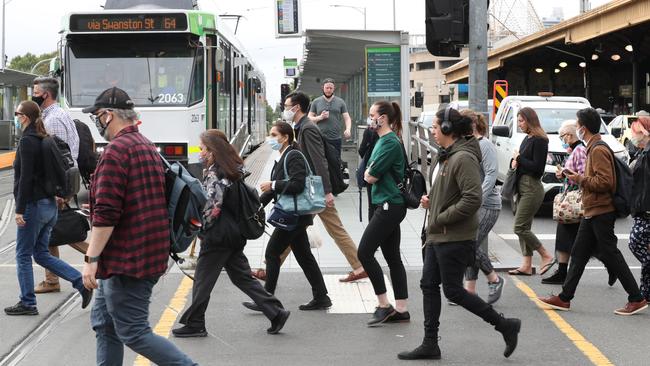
point(28, 60)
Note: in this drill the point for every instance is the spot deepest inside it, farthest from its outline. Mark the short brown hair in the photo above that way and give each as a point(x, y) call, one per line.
point(478, 120)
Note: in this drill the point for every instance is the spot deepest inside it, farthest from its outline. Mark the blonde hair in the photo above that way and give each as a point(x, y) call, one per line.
point(569, 127)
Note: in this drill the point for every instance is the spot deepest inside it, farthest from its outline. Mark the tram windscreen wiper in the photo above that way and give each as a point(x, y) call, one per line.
point(153, 99)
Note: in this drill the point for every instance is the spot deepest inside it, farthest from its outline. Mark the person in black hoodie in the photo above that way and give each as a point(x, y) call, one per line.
point(368, 142)
point(36, 214)
point(282, 139)
point(222, 244)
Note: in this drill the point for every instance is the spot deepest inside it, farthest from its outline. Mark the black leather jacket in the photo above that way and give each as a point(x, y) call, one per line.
point(641, 190)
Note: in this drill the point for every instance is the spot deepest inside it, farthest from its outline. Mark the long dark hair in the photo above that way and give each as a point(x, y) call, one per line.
point(285, 129)
point(222, 153)
point(532, 122)
point(394, 113)
point(33, 112)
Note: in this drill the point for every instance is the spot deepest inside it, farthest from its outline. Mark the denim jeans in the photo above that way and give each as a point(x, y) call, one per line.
point(120, 316)
point(32, 240)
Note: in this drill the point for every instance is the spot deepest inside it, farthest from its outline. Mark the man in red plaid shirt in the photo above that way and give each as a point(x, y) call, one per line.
point(129, 241)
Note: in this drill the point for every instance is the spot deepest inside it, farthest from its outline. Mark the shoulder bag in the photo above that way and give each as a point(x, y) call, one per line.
point(311, 200)
point(70, 227)
point(509, 188)
point(567, 206)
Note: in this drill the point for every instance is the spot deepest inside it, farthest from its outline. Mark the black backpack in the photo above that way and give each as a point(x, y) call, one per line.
point(87, 159)
point(61, 176)
point(413, 185)
point(335, 168)
point(624, 184)
point(252, 216)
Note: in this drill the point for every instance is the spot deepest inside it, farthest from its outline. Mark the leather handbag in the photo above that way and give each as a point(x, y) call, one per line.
point(509, 188)
point(282, 219)
point(567, 206)
point(308, 202)
point(70, 227)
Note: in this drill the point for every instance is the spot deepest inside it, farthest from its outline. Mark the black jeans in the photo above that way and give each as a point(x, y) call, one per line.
point(596, 235)
point(297, 239)
point(337, 143)
point(445, 264)
point(208, 268)
point(383, 231)
point(371, 207)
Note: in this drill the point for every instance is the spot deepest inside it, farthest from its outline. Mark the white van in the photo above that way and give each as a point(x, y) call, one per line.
point(552, 112)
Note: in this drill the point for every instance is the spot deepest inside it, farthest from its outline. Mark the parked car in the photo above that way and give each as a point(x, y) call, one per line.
point(621, 128)
point(552, 112)
point(459, 105)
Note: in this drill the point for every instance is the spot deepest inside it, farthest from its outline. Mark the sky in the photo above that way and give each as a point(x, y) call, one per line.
point(33, 25)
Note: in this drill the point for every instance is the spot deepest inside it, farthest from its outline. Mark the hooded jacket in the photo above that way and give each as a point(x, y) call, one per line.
point(455, 195)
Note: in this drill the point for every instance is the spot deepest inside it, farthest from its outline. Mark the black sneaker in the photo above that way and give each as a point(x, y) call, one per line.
point(495, 290)
point(398, 317)
point(20, 309)
point(556, 279)
point(251, 306)
point(509, 328)
point(187, 331)
point(278, 322)
point(428, 350)
point(86, 297)
point(381, 315)
point(317, 304)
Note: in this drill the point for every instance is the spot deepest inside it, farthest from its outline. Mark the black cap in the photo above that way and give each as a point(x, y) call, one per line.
point(114, 98)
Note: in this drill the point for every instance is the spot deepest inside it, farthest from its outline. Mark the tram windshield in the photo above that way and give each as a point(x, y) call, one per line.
point(152, 74)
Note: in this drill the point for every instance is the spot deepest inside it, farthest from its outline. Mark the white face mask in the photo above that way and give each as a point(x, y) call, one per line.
point(288, 115)
point(581, 134)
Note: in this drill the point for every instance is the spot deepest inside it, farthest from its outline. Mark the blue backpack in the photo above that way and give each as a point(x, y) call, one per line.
point(185, 202)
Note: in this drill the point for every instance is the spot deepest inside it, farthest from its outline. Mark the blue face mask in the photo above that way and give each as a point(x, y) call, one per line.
point(17, 123)
point(565, 146)
point(274, 143)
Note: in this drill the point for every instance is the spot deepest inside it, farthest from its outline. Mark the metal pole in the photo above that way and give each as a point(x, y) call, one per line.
point(364, 19)
point(478, 73)
point(394, 28)
point(3, 36)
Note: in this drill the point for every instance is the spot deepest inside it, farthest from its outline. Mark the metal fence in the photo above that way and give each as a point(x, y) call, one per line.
point(423, 148)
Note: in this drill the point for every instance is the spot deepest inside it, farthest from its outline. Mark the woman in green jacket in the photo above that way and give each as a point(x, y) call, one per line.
point(453, 203)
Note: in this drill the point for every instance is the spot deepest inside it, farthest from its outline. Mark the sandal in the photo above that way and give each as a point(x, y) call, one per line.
point(547, 266)
point(518, 272)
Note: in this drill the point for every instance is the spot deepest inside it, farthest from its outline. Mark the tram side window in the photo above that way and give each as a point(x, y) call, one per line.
point(196, 94)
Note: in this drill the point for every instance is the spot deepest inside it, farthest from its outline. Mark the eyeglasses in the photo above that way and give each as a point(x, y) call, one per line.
point(18, 114)
point(95, 118)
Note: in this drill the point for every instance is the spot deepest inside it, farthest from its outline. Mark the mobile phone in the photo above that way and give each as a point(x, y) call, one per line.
point(568, 172)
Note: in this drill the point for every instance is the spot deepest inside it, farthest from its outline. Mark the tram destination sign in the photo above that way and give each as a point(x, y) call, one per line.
point(128, 22)
point(383, 71)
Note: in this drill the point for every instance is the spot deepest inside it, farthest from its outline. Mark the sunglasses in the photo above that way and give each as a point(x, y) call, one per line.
point(18, 114)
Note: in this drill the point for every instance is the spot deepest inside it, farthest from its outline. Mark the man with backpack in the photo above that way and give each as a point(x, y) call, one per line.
point(57, 123)
point(311, 144)
point(601, 196)
point(130, 240)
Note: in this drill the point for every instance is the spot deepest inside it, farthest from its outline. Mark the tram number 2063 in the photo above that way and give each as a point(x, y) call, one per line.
point(171, 98)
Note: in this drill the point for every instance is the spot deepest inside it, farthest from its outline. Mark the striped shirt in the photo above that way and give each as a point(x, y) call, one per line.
point(128, 193)
point(59, 123)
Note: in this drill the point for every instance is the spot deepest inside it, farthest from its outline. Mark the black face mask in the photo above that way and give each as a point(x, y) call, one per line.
point(102, 129)
point(38, 99)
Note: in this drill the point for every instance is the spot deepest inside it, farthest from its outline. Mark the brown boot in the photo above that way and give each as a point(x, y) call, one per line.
point(45, 287)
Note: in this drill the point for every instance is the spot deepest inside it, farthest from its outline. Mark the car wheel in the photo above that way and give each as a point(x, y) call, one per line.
point(513, 203)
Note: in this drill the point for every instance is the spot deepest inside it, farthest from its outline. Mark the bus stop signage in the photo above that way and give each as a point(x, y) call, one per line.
point(383, 71)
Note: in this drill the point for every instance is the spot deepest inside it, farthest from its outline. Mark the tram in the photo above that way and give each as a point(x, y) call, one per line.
point(183, 71)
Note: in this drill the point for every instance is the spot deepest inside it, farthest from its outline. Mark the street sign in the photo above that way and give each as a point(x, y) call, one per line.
point(290, 67)
point(499, 92)
point(383, 71)
point(287, 18)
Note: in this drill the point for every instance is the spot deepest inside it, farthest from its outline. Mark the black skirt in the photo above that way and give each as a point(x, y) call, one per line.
point(565, 235)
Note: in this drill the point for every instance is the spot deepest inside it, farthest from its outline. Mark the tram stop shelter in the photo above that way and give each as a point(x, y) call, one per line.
point(13, 89)
point(602, 55)
point(345, 56)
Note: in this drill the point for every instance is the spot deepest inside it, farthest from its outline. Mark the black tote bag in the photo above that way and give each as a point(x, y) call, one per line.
point(71, 227)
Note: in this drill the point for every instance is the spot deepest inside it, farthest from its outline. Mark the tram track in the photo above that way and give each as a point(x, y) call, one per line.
point(28, 344)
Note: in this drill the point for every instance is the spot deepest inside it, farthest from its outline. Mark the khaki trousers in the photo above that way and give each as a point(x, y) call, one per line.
point(334, 227)
point(81, 247)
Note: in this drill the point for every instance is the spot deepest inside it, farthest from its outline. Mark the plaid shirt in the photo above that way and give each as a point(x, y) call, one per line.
point(577, 161)
point(128, 192)
point(59, 123)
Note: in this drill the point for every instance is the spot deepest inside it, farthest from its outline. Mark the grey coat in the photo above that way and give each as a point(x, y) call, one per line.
point(310, 141)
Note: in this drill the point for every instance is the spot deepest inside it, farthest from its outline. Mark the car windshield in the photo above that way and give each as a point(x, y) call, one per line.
point(552, 119)
point(427, 120)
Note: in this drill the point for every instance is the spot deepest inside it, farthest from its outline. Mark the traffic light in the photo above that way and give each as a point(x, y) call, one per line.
point(447, 26)
point(419, 99)
point(284, 91)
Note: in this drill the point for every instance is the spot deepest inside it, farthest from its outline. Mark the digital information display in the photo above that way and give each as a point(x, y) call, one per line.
point(383, 71)
point(128, 22)
point(287, 18)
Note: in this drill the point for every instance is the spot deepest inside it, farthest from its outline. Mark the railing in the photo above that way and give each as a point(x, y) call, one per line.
point(423, 149)
point(241, 139)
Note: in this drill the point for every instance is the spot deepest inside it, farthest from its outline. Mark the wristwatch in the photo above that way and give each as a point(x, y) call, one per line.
point(88, 259)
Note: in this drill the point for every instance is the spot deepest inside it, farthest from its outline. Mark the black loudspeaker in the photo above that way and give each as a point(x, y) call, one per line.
point(445, 125)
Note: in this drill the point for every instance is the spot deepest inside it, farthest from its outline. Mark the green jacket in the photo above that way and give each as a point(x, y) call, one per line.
point(455, 195)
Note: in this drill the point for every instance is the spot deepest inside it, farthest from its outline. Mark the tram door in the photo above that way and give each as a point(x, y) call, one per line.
point(212, 66)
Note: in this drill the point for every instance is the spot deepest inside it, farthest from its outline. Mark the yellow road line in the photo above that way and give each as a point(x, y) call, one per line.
point(587, 348)
point(168, 318)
